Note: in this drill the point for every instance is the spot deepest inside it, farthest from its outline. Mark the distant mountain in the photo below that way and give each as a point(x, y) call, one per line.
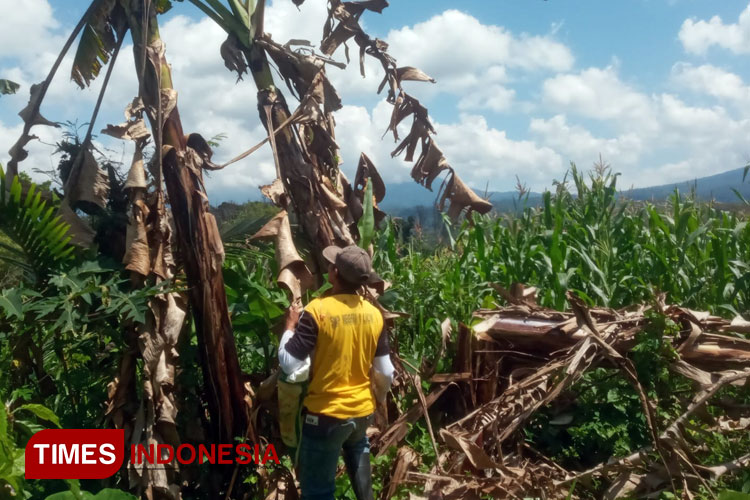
point(715, 187)
point(401, 198)
point(406, 195)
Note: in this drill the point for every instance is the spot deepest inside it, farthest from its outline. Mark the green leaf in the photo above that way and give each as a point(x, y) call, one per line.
point(733, 495)
point(163, 6)
point(112, 494)
point(40, 411)
point(366, 223)
point(8, 87)
point(67, 495)
point(11, 303)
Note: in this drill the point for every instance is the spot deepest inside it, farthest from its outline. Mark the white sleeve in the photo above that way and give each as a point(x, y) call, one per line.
point(289, 364)
point(382, 375)
point(383, 365)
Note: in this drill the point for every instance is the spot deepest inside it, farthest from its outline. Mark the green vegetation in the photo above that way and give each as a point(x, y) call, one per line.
point(63, 325)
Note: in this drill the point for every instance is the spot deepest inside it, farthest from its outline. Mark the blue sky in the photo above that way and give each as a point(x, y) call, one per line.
point(659, 87)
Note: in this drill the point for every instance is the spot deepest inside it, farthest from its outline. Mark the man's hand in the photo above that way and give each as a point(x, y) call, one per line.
point(292, 317)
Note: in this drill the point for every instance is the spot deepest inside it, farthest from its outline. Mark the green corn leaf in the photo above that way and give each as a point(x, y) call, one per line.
point(366, 224)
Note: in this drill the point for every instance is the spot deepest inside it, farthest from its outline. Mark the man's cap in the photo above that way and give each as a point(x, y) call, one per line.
point(353, 264)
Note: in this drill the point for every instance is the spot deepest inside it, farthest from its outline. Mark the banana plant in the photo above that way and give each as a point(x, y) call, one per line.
point(306, 155)
point(179, 164)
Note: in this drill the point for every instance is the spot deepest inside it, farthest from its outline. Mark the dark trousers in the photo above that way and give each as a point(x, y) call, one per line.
point(324, 438)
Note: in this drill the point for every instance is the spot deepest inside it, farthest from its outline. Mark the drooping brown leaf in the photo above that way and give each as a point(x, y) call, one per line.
point(137, 174)
point(276, 193)
point(137, 254)
point(135, 130)
point(87, 182)
point(413, 74)
point(197, 143)
point(302, 71)
point(347, 13)
point(28, 113)
point(461, 197)
point(81, 232)
point(294, 274)
point(366, 170)
point(430, 165)
point(234, 58)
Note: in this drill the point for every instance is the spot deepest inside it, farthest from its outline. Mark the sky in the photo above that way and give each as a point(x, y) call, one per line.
point(659, 88)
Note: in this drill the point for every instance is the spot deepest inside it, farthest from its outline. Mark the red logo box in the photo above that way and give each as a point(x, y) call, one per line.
point(75, 453)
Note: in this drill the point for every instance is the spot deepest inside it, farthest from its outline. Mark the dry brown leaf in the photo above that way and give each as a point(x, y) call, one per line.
point(294, 274)
point(366, 169)
point(30, 114)
point(234, 58)
point(197, 143)
point(461, 197)
point(429, 165)
point(87, 182)
point(414, 74)
point(406, 458)
point(137, 253)
point(398, 429)
point(137, 174)
point(304, 73)
point(476, 455)
point(133, 130)
point(81, 233)
point(276, 193)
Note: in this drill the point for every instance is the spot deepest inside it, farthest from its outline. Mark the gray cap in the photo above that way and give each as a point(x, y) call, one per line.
point(353, 264)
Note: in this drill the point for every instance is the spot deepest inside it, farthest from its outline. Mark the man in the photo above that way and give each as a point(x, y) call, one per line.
point(344, 335)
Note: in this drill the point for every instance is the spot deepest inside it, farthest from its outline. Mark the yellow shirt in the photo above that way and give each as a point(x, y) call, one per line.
point(348, 331)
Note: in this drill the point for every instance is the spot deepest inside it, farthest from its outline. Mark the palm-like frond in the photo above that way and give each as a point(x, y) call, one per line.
point(41, 237)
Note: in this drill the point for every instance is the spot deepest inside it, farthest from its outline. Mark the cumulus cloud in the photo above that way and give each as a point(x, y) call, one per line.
point(598, 93)
point(460, 63)
point(579, 145)
point(27, 27)
point(481, 153)
point(712, 81)
point(581, 111)
point(658, 138)
point(697, 36)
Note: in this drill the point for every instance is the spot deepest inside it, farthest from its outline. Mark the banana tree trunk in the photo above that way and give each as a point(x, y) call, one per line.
point(300, 178)
point(199, 244)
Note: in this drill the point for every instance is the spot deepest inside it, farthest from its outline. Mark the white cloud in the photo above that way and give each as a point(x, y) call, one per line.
point(686, 139)
point(27, 29)
point(480, 153)
point(491, 97)
point(579, 145)
point(457, 49)
point(580, 112)
point(600, 94)
point(713, 81)
point(697, 36)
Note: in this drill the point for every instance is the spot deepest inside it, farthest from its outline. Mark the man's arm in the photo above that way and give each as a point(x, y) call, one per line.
point(298, 341)
point(382, 367)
